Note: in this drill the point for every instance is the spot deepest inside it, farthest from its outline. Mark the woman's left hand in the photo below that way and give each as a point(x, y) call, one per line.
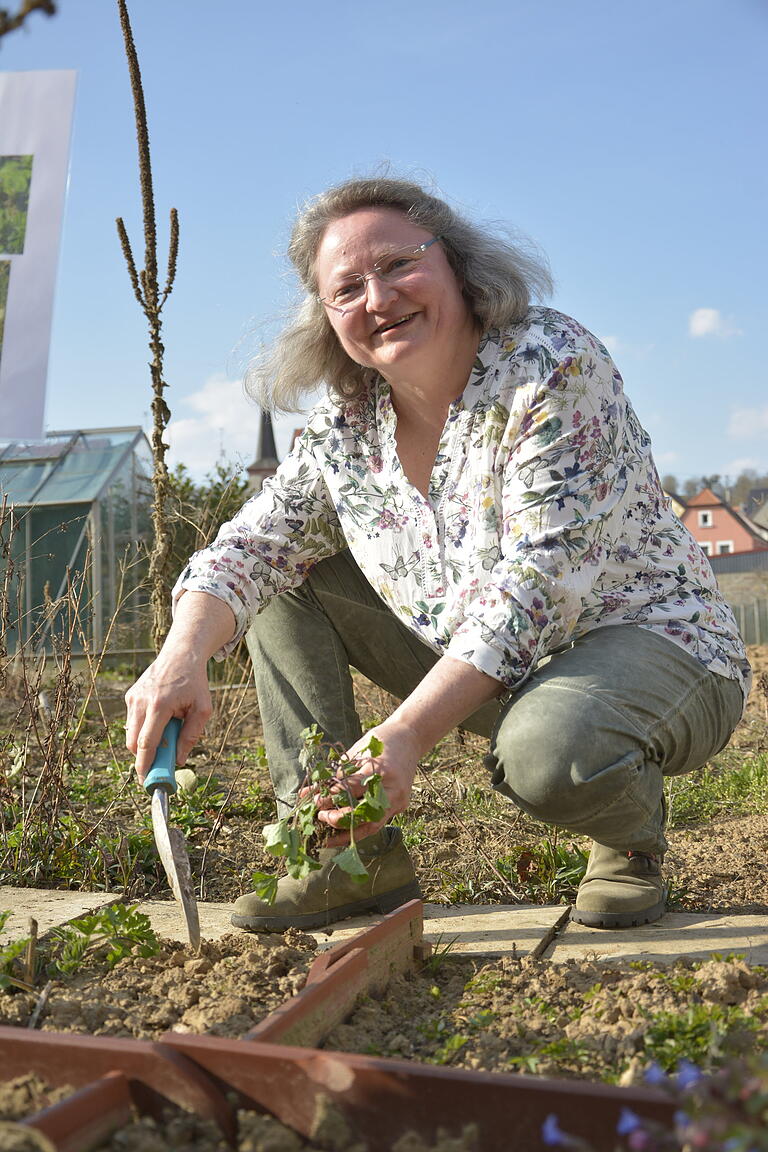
point(397, 765)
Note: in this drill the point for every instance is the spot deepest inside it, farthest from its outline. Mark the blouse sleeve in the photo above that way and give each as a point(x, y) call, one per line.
point(563, 466)
point(271, 544)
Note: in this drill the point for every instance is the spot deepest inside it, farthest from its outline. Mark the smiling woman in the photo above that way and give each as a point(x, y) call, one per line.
point(473, 519)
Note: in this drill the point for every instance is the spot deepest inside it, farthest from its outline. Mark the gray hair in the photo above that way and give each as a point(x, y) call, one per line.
point(498, 279)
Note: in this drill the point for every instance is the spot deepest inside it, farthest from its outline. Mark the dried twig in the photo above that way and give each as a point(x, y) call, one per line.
point(30, 958)
point(38, 1009)
point(9, 23)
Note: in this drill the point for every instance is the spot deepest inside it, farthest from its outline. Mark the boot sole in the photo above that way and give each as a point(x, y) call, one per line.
point(621, 919)
point(386, 902)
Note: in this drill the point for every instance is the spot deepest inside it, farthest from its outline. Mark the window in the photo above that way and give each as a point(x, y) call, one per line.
point(724, 546)
point(705, 519)
point(705, 546)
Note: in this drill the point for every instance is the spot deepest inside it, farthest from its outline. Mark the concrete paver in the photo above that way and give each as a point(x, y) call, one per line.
point(491, 931)
point(469, 930)
point(49, 907)
point(693, 934)
point(168, 921)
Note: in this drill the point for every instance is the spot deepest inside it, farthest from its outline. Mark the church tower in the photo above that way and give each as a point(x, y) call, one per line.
point(266, 461)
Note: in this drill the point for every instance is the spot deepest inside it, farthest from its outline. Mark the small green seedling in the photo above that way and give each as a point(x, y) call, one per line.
point(117, 930)
point(294, 837)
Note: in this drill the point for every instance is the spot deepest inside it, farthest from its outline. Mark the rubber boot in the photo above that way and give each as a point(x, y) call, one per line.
point(331, 894)
point(620, 889)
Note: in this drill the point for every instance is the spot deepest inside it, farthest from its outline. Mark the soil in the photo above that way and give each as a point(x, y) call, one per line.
point(224, 991)
point(585, 1020)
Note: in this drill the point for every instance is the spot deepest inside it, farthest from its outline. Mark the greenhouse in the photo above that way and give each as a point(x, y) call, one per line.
point(75, 510)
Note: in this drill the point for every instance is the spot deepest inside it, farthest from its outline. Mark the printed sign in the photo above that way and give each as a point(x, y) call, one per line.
point(35, 125)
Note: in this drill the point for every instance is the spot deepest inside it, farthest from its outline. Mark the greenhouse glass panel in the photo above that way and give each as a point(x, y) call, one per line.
point(80, 501)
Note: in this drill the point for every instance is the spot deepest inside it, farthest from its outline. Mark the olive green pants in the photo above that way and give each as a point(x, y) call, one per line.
point(583, 744)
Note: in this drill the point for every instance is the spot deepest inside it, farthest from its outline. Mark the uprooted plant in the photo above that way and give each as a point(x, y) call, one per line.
point(294, 837)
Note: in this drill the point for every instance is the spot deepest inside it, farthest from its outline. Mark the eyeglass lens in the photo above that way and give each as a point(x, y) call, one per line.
point(393, 267)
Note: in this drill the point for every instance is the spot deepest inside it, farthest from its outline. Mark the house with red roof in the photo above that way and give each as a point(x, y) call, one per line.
point(719, 529)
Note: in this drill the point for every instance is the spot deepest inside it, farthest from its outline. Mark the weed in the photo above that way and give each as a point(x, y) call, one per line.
point(116, 931)
point(326, 769)
point(550, 871)
point(448, 1051)
point(111, 934)
point(194, 810)
point(441, 951)
point(717, 788)
point(560, 1050)
point(699, 1034)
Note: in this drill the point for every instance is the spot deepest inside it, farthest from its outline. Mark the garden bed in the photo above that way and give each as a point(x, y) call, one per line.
point(232, 984)
point(588, 1020)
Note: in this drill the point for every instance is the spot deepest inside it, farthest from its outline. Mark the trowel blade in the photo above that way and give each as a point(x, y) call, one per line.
point(172, 850)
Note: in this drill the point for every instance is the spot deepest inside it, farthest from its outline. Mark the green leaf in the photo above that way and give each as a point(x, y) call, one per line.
point(349, 861)
point(265, 886)
point(319, 773)
point(305, 818)
point(374, 746)
point(277, 838)
point(373, 805)
point(301, 867)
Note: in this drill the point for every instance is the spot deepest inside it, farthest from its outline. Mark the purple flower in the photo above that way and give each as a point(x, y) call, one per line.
point(688, 1074)
point(655, 1074)
point(628, 1122)
point(551, 1132)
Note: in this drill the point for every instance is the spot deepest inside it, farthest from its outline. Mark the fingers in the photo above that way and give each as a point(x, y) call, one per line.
point(157, 696)
point(192, 729)
point(338, 839)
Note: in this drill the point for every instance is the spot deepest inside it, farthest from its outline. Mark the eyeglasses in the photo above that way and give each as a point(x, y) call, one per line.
point(392, 269)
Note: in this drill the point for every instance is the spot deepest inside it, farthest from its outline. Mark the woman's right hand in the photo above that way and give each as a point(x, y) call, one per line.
point(176, 684)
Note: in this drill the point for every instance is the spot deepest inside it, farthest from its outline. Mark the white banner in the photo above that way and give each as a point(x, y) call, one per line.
point(35, 124)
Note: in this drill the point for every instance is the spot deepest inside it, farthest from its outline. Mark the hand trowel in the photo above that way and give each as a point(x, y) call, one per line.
point(160, 783)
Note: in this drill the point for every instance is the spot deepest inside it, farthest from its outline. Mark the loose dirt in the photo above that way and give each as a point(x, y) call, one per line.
point(227, 989)
point(585, 1020)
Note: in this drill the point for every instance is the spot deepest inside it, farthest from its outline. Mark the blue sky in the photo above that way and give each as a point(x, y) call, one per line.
point(626, 138)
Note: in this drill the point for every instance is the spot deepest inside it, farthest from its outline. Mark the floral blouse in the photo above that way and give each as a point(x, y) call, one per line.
point(544, 517)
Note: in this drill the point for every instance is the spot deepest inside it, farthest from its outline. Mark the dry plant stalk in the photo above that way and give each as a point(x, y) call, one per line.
point(9, 23)
point(147, 291)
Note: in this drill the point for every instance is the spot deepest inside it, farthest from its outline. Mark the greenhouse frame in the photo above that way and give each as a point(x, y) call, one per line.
point(76, 510)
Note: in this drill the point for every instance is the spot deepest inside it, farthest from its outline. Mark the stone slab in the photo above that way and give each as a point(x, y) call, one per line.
point(693, 934)
point(489, 930)
point(49, 907)
point(167, 919)
point(492, 930)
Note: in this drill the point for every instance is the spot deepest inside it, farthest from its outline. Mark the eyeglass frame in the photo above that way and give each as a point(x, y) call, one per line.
point(364, 277)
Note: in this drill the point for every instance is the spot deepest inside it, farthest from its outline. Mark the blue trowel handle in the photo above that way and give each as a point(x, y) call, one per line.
point(162, 774)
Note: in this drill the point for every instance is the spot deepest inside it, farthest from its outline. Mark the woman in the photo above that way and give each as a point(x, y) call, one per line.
point(472, 518)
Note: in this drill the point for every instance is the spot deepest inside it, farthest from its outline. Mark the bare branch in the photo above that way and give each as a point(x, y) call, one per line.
point(10, 23)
